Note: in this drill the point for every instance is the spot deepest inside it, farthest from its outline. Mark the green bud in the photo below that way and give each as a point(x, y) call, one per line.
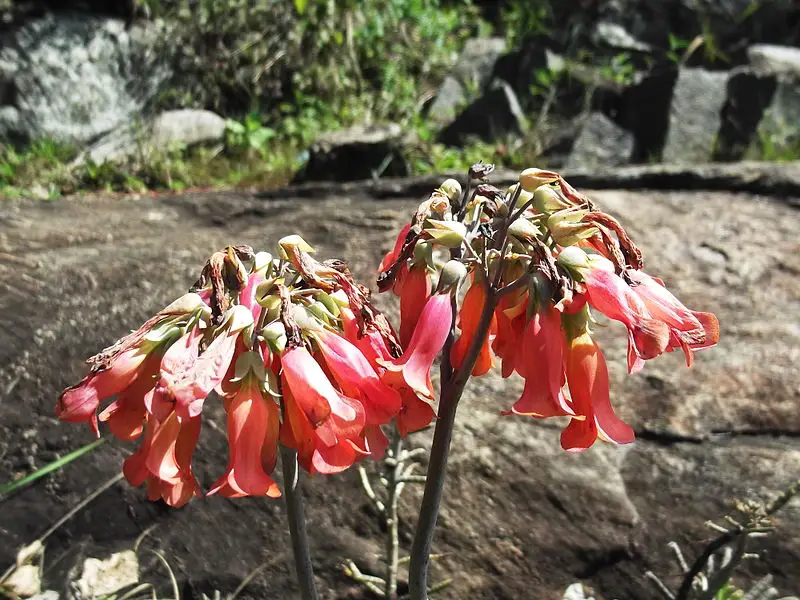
point(523, 229)
point(574, 260)
point(275, 335)
point(452, 189)
point(263, 260)
point(453, 273)
point(293, 241)
point(449, 234)
point(533, 178)
point(567, 228)
point(547, 199)
point(330, 303)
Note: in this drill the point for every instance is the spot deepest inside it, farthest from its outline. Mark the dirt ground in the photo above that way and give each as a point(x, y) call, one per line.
point(521, 518)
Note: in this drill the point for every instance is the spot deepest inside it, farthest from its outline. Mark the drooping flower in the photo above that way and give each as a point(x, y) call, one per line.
point(357, 378)
point(164, 460)
point(414, 294)
point(541, 364)
point(468, 320)
point(410, 374)
point(325, 426)
point(689, 330)
point(121, 366)
point(412, 370)
point(587, 377)
point(253, 429)
point(510, 316)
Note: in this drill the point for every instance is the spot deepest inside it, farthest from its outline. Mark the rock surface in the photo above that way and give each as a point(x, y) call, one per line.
point(601, 143)
point(74, 77)
point(521, 518)
point(470, 74)
point(694, 118)
point(495, 116)
point(170, 128)
point(359, 152)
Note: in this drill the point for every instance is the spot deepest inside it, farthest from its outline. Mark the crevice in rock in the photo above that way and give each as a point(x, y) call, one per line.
point(607, 560)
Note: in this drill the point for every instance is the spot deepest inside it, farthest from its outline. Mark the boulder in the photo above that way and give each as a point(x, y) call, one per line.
point(521, 518)
point(496, 115)
point(694, 117)
point(170, 129)
point(749, 93)
point(774, 60)
point(778, 133)
point(73, 77)
point(600, 143)
point(469, 76)
point(359, 152)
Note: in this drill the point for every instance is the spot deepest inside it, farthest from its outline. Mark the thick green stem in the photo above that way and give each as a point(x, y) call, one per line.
point(297, 524)
point(452, 387)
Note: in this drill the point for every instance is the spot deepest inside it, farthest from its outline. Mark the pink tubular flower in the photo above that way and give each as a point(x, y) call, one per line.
point(357, 379)
point(187, 376)
point(468, 320)
point(325, 426)
point(414, 294)
point(79, 403)
point(253, 426)
point(164, 460)
point(412, 370)
point(542, 365)
point(609, 294)
point(510, 319)
point(126, 368)
point(587, 376)
point(689, 330)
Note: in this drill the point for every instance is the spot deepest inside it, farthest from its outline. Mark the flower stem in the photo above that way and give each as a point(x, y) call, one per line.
point(452, 387)
point(297, 524)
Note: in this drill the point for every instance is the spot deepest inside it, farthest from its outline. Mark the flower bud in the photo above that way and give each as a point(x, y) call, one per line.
point(449, 234)
point(275, 335)
point(293, 241)
point(523, 229)
point(547, 199)
point(263, 260)
point(452, 189)
point(567, 228)
point(453, 273)
point(533, 178)
point(574, 260)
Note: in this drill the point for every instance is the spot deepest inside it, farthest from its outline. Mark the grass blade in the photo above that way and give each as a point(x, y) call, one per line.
point(13, 486)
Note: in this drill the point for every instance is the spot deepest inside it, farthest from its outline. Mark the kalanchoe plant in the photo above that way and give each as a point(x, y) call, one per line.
point(306, 366)
point(535, 260)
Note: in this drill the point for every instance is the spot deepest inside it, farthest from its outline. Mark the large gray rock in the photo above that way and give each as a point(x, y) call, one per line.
point(600, 143)
point(695, 112)
point(775, 60)
point(496, 115)
point(521, 518)
point(470, 74)
point(72, 77)
point(169, 129)
point(359, 152)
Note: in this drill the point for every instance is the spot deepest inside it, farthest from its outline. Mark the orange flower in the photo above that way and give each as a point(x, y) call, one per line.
point(587, 376)
point(542, 365)
point(253, 425)
point(468, 319)
point(414, 294)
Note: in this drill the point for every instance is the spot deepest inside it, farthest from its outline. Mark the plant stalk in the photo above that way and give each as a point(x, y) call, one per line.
point(452, 387)
point(297, 524)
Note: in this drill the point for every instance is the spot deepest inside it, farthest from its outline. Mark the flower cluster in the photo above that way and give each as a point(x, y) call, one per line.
point(297, 355)
point(535, 259)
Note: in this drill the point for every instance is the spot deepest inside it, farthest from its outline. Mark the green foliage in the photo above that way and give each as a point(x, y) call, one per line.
point(523, 18)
